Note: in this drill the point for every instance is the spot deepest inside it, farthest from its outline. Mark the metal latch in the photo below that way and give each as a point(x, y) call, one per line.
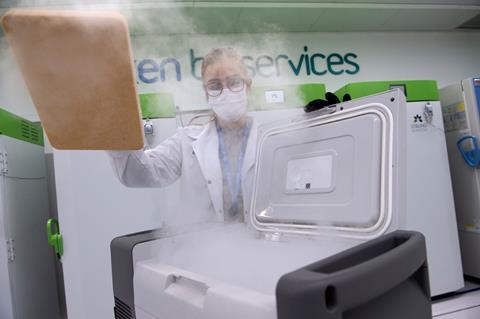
point(428, 112)
point(11, 250)
point(3, 163)
point(148, 127)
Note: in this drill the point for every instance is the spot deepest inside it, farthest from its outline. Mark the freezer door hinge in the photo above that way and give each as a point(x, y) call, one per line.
point(11, 250)
point(3, 163)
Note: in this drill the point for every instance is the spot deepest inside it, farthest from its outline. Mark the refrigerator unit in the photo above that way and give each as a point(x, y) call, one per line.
point(28, 286)
point(461, 107)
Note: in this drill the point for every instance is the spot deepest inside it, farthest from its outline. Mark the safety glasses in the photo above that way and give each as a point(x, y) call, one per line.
point(214, 87)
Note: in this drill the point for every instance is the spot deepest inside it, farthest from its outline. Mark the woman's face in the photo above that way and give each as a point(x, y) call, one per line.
point(225, 73)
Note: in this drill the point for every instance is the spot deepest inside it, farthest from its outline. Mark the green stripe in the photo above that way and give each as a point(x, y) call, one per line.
point(19, 128)
point(295, 96)
point(416, 90)
point(157, 105)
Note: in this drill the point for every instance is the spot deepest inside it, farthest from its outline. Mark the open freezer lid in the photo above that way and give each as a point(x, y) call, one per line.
point(330, 174)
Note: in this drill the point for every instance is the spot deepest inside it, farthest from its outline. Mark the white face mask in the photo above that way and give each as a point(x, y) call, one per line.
point(229, 106)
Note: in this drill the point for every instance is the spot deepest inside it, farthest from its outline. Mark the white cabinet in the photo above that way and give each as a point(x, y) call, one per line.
point(27, 272)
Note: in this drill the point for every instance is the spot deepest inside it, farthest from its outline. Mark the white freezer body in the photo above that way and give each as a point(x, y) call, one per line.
point(461, 102)
point(430, 203)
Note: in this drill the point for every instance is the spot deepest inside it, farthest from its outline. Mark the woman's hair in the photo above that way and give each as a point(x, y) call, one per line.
point(221, 53)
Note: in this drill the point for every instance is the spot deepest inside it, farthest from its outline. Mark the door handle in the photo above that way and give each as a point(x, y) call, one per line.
point(54, 237)
point(472, 156)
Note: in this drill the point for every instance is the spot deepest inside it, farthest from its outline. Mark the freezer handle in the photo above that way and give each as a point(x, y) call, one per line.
point(472, 156)
point(383, 278)
point(54, 237)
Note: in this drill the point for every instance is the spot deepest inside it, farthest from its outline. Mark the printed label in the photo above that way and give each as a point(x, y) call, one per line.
point(454, 117)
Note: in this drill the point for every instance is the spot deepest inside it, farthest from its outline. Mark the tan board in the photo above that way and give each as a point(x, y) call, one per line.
point(78, 68)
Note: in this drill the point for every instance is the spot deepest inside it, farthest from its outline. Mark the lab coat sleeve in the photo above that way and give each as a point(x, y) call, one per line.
point(157, 167)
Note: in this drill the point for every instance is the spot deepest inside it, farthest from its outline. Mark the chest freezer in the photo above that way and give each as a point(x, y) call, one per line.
point(461, 106)
point(328, 193)
point(386, 277)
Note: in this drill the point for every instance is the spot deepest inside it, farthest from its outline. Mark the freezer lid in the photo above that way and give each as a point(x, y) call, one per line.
point(330, 174)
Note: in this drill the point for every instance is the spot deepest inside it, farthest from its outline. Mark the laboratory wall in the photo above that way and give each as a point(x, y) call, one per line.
point(172, 63)
point(331, 58)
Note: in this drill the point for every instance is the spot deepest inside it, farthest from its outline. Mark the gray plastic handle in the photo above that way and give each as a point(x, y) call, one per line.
point(384, 278)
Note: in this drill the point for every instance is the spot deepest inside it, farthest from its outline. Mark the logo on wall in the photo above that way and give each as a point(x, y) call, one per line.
point(315, 64)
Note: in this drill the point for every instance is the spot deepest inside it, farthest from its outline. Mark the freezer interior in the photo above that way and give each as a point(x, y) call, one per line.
point(237, 256)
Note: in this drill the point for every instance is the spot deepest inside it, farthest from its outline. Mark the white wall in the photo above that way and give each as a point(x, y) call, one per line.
point(14, 95)
point(445, 57)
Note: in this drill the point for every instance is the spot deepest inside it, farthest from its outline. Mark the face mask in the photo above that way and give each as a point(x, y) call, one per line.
point(229, 106)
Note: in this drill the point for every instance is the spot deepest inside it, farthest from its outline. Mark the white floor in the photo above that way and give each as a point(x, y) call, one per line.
point(462, 306)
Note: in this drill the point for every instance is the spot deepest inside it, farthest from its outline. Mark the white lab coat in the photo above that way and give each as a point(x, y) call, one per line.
point(191, 155)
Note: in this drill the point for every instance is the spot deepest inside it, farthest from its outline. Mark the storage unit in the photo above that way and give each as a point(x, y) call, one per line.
point(430, 206)
point(325, 182)
point(27, 270)
point(461, 107)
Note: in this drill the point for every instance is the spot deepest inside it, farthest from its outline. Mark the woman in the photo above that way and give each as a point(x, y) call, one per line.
point(214, 163)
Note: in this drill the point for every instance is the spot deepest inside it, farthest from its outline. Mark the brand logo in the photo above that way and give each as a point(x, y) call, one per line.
point(264, 66)
point(417, 118)
point(418, 124)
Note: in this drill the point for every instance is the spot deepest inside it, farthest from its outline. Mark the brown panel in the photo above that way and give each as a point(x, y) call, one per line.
point(78, 69)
